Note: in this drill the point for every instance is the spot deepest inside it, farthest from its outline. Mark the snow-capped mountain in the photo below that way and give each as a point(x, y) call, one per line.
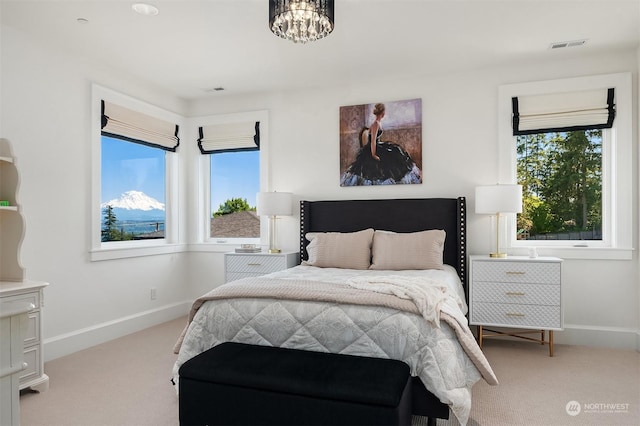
point(136, 206)
point(134, 200)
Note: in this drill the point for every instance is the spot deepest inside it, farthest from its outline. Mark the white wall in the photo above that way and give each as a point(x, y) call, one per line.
point(460, 151)
point(44, 112)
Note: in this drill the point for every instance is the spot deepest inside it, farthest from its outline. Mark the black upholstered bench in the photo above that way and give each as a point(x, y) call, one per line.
point(235, 383)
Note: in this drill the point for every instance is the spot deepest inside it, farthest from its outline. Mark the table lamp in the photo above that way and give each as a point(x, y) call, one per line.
point(496, 200)
point(274, 204)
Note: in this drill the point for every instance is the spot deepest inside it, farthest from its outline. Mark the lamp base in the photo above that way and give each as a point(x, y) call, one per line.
point(274, 250)
point(498, 255)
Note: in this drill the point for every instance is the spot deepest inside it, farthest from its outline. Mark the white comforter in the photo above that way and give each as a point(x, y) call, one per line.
point(432, 351)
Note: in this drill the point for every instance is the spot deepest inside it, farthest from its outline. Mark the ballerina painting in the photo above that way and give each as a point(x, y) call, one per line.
point(375, 154)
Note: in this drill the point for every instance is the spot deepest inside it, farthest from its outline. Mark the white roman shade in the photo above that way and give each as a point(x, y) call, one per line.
point(134, 126)
point(563, 112)
point(229, 137)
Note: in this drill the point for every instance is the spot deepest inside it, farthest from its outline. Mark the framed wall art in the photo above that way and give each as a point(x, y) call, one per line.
point(381, 143)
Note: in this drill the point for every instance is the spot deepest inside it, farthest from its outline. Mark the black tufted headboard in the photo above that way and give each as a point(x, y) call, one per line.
point(398, 215)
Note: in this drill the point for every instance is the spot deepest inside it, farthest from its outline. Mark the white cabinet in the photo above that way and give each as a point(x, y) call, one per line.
point(30, 292)
point(14, 288)
point(13, 326)
point(242, 265)
point(516, 292)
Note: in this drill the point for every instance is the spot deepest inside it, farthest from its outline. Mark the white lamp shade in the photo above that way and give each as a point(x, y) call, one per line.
point(492, 199)
point(275, 204)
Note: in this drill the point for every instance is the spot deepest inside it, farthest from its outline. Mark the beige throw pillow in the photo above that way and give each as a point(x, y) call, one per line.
point(348, 250)
point(415, 250)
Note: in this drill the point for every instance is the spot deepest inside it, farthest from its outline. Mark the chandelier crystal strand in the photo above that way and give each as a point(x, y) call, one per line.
point(301, 21)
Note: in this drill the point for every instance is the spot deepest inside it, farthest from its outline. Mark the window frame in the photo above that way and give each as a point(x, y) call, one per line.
point(202, 236)
point(123, 249)
point(617, 169)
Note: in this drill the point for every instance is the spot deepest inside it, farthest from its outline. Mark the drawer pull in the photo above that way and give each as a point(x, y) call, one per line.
point(514, 293)
point(512, 314)
point(515, 273)
point(254, 264)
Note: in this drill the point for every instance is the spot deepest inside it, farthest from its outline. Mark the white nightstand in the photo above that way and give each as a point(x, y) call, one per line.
point(242, 265)
point(516, 292)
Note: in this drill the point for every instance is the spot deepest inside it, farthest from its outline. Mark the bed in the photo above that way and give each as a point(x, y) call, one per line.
point(333, 302)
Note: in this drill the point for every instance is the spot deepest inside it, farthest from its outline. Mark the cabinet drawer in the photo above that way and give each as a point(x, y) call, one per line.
point(517, 272)
point(32, 358)
point(32, 336)
point(32, 297)
point(514, 315)
point(255, 264)
point(525, 294)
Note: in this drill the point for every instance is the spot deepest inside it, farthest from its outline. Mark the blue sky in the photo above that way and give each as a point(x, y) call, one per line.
point(235, 175)
point(130, 166)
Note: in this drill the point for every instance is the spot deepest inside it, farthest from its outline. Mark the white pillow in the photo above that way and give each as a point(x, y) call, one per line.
point(414, 250)
point(349, 250)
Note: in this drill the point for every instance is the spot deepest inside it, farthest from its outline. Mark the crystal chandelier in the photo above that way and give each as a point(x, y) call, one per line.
point(301, 21)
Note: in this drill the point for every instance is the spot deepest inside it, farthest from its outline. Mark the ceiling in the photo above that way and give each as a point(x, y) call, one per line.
point(193, 46)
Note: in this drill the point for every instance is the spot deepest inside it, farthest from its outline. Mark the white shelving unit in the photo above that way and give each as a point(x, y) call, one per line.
point(14, 288)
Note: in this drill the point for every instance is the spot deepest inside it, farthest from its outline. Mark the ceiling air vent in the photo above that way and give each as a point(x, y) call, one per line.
point(561, 44)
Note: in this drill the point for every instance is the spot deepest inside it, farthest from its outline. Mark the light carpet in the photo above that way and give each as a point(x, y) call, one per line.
point(127, 382)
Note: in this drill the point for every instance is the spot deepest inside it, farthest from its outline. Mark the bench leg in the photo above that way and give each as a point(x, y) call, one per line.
point(432, 421)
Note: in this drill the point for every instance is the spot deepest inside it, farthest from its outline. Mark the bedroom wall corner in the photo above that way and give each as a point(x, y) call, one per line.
point(46, 99)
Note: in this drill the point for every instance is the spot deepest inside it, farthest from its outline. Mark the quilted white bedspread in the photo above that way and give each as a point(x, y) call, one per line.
point(432, 352)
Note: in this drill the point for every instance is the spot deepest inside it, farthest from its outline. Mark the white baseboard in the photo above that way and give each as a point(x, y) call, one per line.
point(84, 338)
point(606, 337)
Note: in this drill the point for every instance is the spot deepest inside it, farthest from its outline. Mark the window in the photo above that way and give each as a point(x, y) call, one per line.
point(232, 173)
point(132, 191)
point(234, 182)
point(134, 171)
point(576, 179)
point(561, 178)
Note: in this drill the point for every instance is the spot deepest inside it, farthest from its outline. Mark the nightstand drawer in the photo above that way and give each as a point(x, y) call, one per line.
point(255, 264)
point(242, 265)
point(232, 276)
point(517, 272)
point(514, 315)
point(524, 294)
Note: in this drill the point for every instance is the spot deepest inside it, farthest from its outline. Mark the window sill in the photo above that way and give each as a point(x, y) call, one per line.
point(127, 250)
point(585, 253)
point(124, 252)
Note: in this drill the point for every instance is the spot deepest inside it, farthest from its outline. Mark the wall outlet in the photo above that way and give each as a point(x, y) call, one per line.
point(154, 293)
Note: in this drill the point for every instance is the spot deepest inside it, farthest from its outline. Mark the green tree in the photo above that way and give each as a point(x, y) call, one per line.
point(233, 205)
point(561, 175)
point(573, 189)
point(110, 232)
point(532, 153)
point(109, 229)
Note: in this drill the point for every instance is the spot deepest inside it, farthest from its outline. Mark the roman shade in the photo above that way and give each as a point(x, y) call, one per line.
point(563, 112)
point(133, 126)
point(229, 137)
